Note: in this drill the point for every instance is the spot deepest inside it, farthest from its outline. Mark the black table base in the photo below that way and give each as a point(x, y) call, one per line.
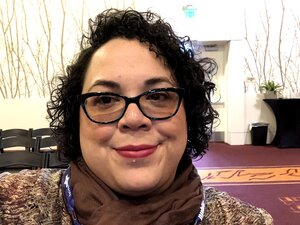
point(287, 115)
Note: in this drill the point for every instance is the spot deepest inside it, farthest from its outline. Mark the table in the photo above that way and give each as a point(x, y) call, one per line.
point(287, 116)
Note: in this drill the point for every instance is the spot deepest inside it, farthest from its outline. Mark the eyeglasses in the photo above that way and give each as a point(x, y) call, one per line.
point(155, 104)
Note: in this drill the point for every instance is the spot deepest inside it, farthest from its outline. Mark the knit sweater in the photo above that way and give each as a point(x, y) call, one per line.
point(34, 197)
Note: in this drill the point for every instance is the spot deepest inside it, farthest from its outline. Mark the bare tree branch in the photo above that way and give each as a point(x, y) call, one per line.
point(267, 35)
point(279, 46)
point(265, 62)
point(62, 37)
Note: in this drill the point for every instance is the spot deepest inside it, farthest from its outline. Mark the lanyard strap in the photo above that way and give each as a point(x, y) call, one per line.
point(69, 200)
point(200, 216)
point(68, 196)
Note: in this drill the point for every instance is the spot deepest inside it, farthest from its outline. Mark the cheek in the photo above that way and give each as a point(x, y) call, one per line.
point(176, 129)
point(180, 122)
point(92, 133)
point(181, 130)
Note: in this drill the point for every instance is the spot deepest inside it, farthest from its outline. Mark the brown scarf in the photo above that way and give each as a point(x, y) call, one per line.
point(97, 204)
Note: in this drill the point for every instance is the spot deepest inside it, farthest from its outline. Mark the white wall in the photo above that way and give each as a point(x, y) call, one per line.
point(23, 113)
point(214, 19)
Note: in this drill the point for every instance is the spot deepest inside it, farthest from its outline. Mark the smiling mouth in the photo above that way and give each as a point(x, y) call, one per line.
point(135, 152)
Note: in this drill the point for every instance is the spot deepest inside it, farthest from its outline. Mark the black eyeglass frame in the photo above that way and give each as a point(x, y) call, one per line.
point(82, 100)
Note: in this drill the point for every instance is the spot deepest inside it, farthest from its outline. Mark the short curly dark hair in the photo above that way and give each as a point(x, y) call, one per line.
point(147, 27)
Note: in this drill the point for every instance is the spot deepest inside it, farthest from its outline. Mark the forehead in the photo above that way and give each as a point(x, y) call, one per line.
point(126, 62)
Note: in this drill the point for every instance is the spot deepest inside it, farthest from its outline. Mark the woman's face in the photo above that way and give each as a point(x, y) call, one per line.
point(135, 155)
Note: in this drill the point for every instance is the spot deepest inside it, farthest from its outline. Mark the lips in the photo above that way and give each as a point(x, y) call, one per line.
point(136, 151)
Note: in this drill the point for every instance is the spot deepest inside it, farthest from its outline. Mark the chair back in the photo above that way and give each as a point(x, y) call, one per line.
point(14, 132)
point(44, 144)
point(56, 160)
point(15, 155)
point(32, 148)
point(41, 132)
point(17, 143)
point(18, 160)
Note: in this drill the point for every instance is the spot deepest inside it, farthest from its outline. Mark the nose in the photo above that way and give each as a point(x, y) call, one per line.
point(134, 119)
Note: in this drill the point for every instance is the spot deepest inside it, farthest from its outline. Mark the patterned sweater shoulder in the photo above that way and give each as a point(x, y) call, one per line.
point(33, 197)
point(221, 208)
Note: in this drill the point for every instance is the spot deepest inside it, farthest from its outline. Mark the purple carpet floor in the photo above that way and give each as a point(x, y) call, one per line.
point(281, 198)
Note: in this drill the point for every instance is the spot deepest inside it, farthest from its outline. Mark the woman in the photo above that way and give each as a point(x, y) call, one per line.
point(132, 112)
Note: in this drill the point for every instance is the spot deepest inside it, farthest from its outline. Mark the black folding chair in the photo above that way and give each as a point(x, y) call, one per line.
point(14, 132)
point(15, 155)
point(45, 144)
point(54, 158)
point(44, 140)
point(46, 131)
point(17, 142)
point(18, 160)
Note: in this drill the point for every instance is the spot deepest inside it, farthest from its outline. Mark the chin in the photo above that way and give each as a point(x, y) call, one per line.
point(141, 187)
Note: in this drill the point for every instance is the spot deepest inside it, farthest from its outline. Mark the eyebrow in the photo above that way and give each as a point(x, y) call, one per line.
point(114, 85)
point(157, 80)
point(106, 83)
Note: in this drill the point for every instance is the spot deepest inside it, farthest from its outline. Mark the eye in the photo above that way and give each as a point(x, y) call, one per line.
point(158, 96)
point(104, 100)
